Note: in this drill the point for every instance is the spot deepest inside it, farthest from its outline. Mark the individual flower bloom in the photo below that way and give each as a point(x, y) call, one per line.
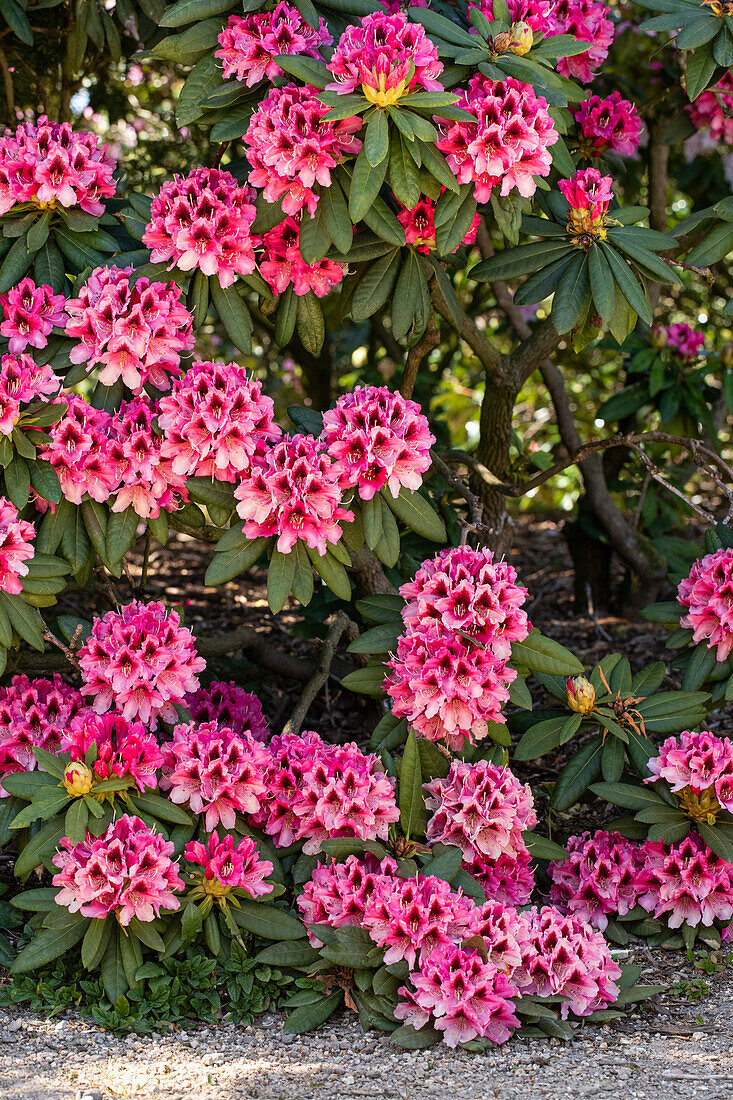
point(135, 332)
point(140, 661)
point(713, 110)
point(461, 995)
point(684, 341)
point(537, 14)
point(34, 714)
point(599, 879)
point(79, 451)
point(707, 597)
point(481, 809)
point(125, 750)
point(409, 918)
point(50, 165)
point(588, 194)
point(384, 57)
point(685, 883)
point(230, 866)
point(419, 225)
point(29, 314)
point(228, 704)
point(215, 772)
point(464, 589)
point(507, 145)
point(587, 20)
point(215, 421)
point(565, 957)
point(319, 792)
point(16, 547)
point(250, 44)
point(127, 871)
point(203, 221)
point(21, 382)
point(448, 688)
point(147, 480)
point(699, 768)
point(292, 146)
point(608, 125)
point(293, 492)
point(284, 266)
point(580, 695)
point(337, 893)
point(508, 879)
point(376, 438)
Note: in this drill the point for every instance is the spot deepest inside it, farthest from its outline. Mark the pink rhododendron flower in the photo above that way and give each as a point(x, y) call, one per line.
point(337, 893)
point(508, 879)
point(464, 589)
point(127, 871)
point(49, 164)
point(685, 883)
point(588, 192)
point(684, 341)
point(16, 547)
point(536, 13)
point(587, 20)
point(565, 957)
point(293, 492)
point(139, 661)
point(22, 381)
point(34, 714)
point(481, 809)
point(230, 865)
point(509, 142)
point(317, 792)
point(215, 772)
point(707, 596)
point(419, 225)
point(124, 749)
point(600, 879)
point(409, 918)
point(215, 421)
point(284, 265)
point(384, 57)
point(148, 481)
point(203, 221)
point(607, 125)
point(79, 451)
point(505, 935)
point(713, 110)
point(693, 763)
point(227, 704)
point(135, 332)
point(291, 146)
point(250, 44)
point(376, 438)
point(29, 314)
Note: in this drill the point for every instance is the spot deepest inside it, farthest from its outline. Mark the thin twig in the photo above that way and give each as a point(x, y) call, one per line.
point(415, 356)
point(340, 625)
point(475, 507)
point(67, 650)
point(8, 86)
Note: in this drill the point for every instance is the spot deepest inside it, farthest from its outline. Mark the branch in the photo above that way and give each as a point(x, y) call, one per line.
point(69, 651)
point(415, 356)
point(475, 507)
point(205, 533)
point(532, 351)
point(493, 362)
point(340, 625)
point(8, 86)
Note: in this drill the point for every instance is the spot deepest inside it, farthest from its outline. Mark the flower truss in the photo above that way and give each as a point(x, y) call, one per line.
point(79, 451)
point(123, 749)
point(21, 382)
point(608, 125)
point(285, 267)
point(228, 865)
point(385, 56)
point(685, 883)
point(713, 110)
point(699, 769)
point(706, 597)
point(34, 714)
point(16, 547)
point(227, 704)
point(588, 194)
point(249, 44)
point(30, 312)
point(684, 341)
point(147, 481)
point(600, 879)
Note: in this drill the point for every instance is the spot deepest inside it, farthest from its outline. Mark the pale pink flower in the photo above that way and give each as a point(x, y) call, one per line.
point(34, 714)
point(227, 704)
point(30, 312)
point(229, 864)
point(249, 44)
point(147, 481)
point(384, 57)
point(419, 225)
point(611, 124)
point(79, 451)
point(685, 883)
point(696, 762)
point(124, 749)
point(713, 110)
point(16, 547)
point(600, 879)
point(707, 597)
point(284, 266)
point(22, 381)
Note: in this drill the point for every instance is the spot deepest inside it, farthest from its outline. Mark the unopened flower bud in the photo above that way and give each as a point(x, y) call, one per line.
point(502, 42)
point(580, 695)
point(658, 336)
point(522, 39)
point(78, 779)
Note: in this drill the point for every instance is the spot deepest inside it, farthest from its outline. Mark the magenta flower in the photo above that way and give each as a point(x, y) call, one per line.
point(376, 438)
point(384, 57)
point(698, 767)
point(140, 661)
point(128, 871)
point(684, 341)
point(216, 421)
point(419, 226)
point(600, 879)
point(203, 220)
point(49, 164)
point(338, 893)
point(16, 547)
point(79, 451)
point(293, 492)
point(229, 866)
point(509, 142)
point(124, 749)
point(284, 265)
point(30, 312)
point(134, 332)
point(588, 193)
point(686, 883)
point(508, 879)
point(537, 14)
point(291, 146)
point(148, 481)
point(707, 596)
point(587, 20)
point(608, 125)
point(227, 704)
point(34, 714)
point(713, 110)
point(215, 772)
point(250, 44)
point(21, 382)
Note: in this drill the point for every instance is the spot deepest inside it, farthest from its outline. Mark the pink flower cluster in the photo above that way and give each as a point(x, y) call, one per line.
point(215, 421)
point(34, 714)
point(147, 481)
point(79, 451)
point(418, 223)
point(16, 547)
point(698, 762)
point(48, 164)
point(509, 142)
point(337, 894)
point(317, 792)
point(291, 146)
point(713, 110)
point(293, 492)
point(588, 21)
point(284, 266)
point(127, 871)
point(140, 661)
point(227, 864)
point(215, 772)
point(134, 331)
point(611, 124)
point(684, 341)
point(250, 44)
point(22, 381)
point(384, 57)
point(707, 597)
point(685, 883)
point(227, 704)
point(376, 438)
point(203, 221)
point(508, 879)
point(124, 749)
point(29, 314)
point(588, 192)
point(600, 879)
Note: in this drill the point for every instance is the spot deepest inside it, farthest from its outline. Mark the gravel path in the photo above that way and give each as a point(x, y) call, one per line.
point(672, 1048)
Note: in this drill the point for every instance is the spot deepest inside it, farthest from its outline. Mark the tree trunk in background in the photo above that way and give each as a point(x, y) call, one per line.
point(497, 410)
